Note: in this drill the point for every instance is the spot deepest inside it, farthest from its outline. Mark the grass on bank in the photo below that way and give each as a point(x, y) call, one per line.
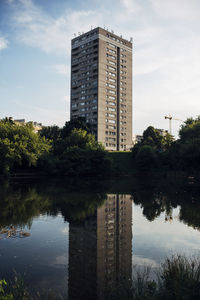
point(178, 278)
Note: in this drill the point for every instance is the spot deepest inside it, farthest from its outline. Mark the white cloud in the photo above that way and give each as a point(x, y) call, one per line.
point(3, 43)
point(131, 5)
point(52, 35)
point(178, 9)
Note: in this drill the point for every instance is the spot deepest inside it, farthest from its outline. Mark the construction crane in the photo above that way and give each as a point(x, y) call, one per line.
point(170, 118)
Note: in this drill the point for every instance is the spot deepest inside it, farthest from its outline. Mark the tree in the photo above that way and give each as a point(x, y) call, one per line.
point(20, 146)
point(77, 154)
point(190, 130)
point(146, 159)
point(78, 123)
point(151, 150)
point(154, 138)
point(185, 153)
point(51, 132)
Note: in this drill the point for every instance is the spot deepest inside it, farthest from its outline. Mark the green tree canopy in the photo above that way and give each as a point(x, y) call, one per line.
point(78, 123)
point(154, 138)
point(51, 132)
point(190, 130)
point(20, 145)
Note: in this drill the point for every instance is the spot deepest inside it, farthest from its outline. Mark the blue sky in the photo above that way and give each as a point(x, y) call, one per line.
point(35, 40)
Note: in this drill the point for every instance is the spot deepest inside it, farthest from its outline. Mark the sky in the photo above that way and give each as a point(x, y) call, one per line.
point(35, 45)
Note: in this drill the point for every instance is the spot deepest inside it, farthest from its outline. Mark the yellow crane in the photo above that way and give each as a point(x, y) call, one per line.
point(170, 118)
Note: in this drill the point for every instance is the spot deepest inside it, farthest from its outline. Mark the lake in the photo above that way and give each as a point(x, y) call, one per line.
point(78, 239)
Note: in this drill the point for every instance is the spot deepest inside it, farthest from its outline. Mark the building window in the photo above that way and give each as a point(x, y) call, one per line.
point(110, 121)
point(110, 115)
point(111, 45)
point(111, 68)
point(111, 79)
point(111, 103)
point(111, 62)
point(110, 127)
point(111, 85)
point(111, 97)
point(111, 74)
point(111, 109)
point(111, 92)
point(111, 56)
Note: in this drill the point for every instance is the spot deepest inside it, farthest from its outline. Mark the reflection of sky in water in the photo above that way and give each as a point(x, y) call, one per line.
point(153, 241)
point(42, 257)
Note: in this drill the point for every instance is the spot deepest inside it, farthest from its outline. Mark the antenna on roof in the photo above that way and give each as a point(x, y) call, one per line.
point(74, 34)
point(121, 36)
point(131, 39)
point(91, 27)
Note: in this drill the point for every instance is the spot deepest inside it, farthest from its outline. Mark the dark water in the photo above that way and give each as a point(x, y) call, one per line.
point(86, 237)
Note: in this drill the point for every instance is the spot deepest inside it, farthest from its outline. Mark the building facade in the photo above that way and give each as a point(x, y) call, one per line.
point(101, 86)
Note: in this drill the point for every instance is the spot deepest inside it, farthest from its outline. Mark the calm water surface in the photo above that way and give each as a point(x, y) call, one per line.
point(87, 236)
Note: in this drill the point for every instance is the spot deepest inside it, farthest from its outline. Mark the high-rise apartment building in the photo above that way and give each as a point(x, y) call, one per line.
point(101, 86)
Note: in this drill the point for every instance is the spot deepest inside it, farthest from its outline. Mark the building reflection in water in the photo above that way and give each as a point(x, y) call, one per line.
point(100, 249)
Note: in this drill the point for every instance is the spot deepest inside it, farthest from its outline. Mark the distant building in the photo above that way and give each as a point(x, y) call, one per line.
point(37, 126)
point(101, 86)
point(137, 139)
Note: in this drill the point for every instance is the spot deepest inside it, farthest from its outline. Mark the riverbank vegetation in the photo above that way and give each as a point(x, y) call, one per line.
point(177, 278)
point(159, 151)
point(73, 151)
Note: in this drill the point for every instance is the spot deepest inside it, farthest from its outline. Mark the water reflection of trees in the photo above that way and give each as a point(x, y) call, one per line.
point(164, 194)
point(20, 203)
